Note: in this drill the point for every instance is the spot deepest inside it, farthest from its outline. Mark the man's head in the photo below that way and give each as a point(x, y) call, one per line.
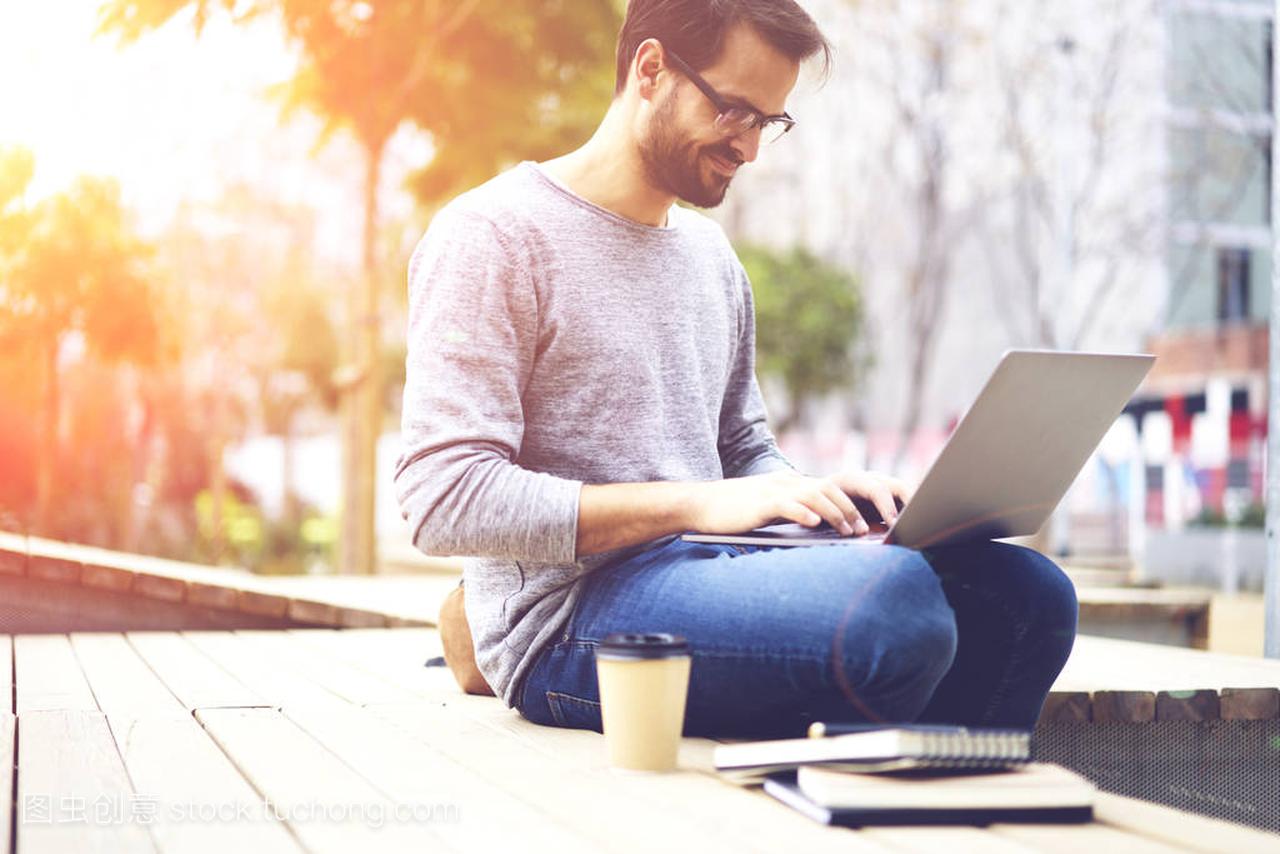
point(708, 78)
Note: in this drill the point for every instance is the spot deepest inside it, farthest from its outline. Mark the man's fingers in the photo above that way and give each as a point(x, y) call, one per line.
point(901, 489)
point(827, 509)
point(882, 498)
point(845, 504)
point(797, 512)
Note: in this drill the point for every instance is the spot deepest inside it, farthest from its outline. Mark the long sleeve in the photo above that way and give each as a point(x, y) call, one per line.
point(746, 445)
point(473, 333)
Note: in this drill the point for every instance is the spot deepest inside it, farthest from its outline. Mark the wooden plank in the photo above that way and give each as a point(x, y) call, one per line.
point(13, 553)
point(61, 570)
point(1067, 707)
point(8, 733)
point(702, 791)
point(408, 771)
point(592, 803)
point(681, 810)
point(401, 652)
point(1074, 838)
point(336, 675)
point(89, 555)
point(327, 806)
point(211, 595)
point(1199, 705)
point(197, 798)
point(278, 686)
point(399, 655)
point(6, 672)
point(1181, 829)
point(264, 604)
point(107, 578)
point(193, 677)
point(415, 597)
point(73, 792)
point(1250, 704)
point(159, 587)
point(306, 611)
point(48, 675)
point(122, 682)
point(1124, 706)
point(398, 766)
point(396, 655)
point(952, 840)
point(38, 606)
point(361, 618)
point(1104, 664)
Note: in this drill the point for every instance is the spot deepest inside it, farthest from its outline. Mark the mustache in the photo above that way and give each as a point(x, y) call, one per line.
point(726, 153)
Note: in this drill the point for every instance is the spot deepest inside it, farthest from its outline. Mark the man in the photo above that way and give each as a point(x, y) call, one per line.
point(581, 390)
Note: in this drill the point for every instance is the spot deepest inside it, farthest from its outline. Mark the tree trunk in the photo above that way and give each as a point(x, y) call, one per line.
point(218, 479)
point(46, 458)
point(928, 278)
point(363, 401)
point(290, 509)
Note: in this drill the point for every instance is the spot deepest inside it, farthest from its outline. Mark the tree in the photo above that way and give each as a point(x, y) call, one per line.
point(258, 344)
point(911, 57)
point(490, 80)
point(809, 318)
point(1078, 211)
point(70, 265)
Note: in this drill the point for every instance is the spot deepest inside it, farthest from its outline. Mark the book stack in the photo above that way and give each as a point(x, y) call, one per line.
point(865, 775)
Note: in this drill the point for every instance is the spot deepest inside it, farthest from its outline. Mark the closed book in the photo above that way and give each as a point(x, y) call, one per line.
point(879, 749)
point(1031, 793)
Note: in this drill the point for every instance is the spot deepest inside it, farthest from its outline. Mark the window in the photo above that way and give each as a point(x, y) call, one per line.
point(1268, 63)
point(1266, 178)
point(1233, 285)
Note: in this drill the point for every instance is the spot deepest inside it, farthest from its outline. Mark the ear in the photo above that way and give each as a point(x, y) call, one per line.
point(647, 67)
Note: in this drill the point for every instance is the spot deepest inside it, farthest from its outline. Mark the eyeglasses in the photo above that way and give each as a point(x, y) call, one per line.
point(734, 119)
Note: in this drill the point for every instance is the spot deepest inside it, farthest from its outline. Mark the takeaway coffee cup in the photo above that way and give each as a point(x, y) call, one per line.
point(644, 679)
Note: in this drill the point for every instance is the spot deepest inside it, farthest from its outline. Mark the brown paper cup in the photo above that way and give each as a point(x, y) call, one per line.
point(644, 681)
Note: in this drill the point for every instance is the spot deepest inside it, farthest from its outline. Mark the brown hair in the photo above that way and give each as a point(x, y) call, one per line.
point(695, 30)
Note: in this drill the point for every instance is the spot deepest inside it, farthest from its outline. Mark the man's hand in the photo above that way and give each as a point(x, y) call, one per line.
point(740, 504)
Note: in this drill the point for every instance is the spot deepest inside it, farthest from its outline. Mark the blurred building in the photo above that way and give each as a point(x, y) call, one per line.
point(1104, 172)
point(1205, 401)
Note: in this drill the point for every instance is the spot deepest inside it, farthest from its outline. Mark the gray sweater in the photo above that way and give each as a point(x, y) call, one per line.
point(553, 343)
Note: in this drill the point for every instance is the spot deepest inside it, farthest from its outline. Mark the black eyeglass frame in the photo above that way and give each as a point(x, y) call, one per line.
point(723, 105)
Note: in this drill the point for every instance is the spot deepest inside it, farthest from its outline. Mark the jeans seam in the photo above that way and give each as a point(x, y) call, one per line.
point(744, 652)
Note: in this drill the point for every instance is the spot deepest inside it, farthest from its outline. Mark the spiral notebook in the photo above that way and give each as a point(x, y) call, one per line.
point(878, 750)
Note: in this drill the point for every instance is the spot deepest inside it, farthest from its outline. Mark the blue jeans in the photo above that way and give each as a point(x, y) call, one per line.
point(972, 634)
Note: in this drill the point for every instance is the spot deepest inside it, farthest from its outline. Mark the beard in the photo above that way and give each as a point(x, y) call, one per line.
point(674, 164)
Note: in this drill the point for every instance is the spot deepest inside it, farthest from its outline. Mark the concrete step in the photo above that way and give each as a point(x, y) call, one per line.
point(1086, 577)
point(1169, 616)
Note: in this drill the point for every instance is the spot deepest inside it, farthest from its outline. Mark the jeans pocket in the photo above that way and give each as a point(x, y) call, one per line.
point(574, 712)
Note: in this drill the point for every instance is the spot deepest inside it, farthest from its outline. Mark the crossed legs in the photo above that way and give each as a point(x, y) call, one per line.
point(972, 634)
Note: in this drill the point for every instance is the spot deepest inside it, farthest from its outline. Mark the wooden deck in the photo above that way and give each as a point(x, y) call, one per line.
point(47, 584)
point(340, 740)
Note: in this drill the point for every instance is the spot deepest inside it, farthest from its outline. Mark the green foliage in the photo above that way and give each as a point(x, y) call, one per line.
point(809, 324)
point(264, 545)
point(72, 263)
point(1254, 515)
point(492, 81)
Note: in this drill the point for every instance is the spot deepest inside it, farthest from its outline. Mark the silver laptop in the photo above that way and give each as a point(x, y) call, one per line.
point(1008, 463)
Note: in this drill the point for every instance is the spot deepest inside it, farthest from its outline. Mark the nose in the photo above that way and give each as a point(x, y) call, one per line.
point(746, 145)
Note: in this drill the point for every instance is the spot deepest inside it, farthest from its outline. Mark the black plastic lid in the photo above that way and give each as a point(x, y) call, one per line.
point(642, 645)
